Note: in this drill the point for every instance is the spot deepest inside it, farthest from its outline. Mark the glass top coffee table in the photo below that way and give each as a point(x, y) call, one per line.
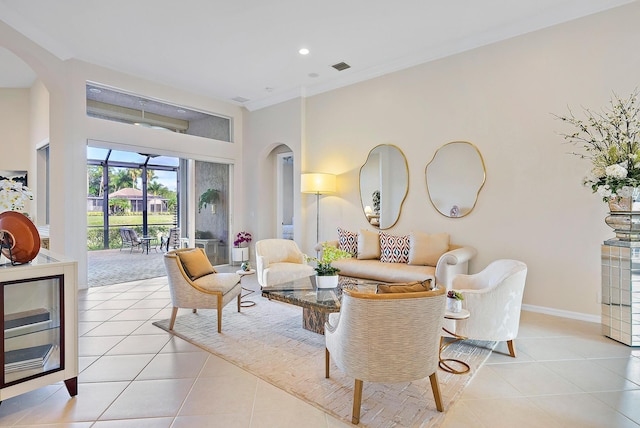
point(317, 303)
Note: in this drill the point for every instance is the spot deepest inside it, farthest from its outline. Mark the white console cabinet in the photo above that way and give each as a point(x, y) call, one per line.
point(39, 343)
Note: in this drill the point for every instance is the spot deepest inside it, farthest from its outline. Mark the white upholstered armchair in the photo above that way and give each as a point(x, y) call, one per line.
point(386, 338)
point(494, 299)
point(195, 284)
point(279, 261)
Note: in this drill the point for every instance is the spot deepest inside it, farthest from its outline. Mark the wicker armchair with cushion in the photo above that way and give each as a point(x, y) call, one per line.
point(386, 338)
point(195, 284)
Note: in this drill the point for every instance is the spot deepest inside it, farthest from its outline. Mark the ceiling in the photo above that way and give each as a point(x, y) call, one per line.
point(246, 51)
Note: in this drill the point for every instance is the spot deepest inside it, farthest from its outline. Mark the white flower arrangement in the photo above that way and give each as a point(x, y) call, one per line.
point(611, 141)
point(13, 195)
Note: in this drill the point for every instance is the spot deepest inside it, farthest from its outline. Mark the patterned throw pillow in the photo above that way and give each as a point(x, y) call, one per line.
point(348, 241)
point(394, 249)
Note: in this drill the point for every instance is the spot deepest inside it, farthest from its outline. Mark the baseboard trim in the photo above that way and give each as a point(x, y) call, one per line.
point(560, 313)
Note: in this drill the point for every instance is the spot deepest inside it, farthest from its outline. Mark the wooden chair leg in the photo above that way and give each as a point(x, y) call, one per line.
point(174, 312)
point(219, 313)
point(194, 310)
point(357, 402)
point(512, 348)
point(239, 299)
point(326, 363)
point(435, 386)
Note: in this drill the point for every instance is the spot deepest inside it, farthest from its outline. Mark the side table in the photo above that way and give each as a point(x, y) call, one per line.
point(445, 363)
point(146, 243)
point(246, 303)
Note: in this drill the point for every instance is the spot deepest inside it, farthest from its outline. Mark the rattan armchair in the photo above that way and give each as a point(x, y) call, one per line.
point(209, 291)
point(386, 338)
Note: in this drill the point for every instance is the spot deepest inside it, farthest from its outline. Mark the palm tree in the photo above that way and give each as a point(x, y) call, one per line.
point(151, 175)
point(135, 174)
point(155, 188)
point(120, 179)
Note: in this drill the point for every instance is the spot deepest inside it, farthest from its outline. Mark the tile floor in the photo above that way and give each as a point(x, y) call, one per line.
point(135, 375)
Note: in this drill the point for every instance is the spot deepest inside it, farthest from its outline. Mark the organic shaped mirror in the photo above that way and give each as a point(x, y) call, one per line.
point(384, 183)
point(455, 177)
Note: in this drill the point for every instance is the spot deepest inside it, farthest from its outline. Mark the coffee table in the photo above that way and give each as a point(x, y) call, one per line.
point(316, 303)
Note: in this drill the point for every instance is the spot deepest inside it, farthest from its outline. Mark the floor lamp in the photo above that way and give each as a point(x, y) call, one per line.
point(319, 184)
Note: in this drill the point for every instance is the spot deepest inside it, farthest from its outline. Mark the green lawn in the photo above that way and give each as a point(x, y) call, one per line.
point(158, 224)
point(119, 220)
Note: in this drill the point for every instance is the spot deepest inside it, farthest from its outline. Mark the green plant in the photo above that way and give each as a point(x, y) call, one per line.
point(453, 294)
point(329, 254)
point(208, 197)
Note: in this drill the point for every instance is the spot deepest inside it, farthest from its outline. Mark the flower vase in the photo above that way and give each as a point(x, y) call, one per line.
point(624, 216)
point(454, 305)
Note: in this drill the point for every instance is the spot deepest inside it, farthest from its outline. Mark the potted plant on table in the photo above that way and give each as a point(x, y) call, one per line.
point(454, 301)
point(240, 252)
point(326, 274)
point(209, 197)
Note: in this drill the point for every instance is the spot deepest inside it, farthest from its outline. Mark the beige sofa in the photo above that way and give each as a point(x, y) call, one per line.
point(427, 257)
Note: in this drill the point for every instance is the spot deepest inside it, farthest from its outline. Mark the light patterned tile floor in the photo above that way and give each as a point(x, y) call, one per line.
point(135, 375)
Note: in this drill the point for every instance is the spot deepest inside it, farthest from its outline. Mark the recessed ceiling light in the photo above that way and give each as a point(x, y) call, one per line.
point(181, 110)
point(313, 75)
point(95, 90)
point(304, 51)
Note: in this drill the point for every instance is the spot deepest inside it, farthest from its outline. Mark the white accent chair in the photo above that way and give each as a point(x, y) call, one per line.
point(210, 291)
point(494, 299)
point(386, 338)
point(279, 261)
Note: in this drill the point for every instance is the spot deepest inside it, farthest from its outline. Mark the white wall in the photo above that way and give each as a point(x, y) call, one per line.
point(501, 98)
point(14, 128)
point(266, 132)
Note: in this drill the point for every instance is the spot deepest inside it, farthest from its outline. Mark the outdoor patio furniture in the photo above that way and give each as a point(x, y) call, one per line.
point(129, 239)
point(173, 240)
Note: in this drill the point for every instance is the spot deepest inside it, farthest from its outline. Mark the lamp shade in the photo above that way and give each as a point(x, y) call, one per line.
point(318, 183)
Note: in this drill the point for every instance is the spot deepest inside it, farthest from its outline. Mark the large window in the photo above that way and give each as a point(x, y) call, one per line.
point(128, 189)
point(119, 106)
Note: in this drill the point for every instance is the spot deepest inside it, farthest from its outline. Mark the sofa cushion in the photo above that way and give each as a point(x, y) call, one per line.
point(222, 282)
point(195, 263)
point(384, 272)
point(348, 241)
point(425, 249)
point(368, 245)
point(394, 249)
point(411, 287)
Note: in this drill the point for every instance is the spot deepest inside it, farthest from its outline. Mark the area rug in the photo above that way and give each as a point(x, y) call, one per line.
point(268, 341)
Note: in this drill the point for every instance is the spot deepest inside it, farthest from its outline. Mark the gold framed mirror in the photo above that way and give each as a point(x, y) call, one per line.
point(454, 177)
point(384, 184)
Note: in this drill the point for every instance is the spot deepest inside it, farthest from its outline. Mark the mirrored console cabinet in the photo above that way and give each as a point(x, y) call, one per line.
point(39, 334)
point(621, 291)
